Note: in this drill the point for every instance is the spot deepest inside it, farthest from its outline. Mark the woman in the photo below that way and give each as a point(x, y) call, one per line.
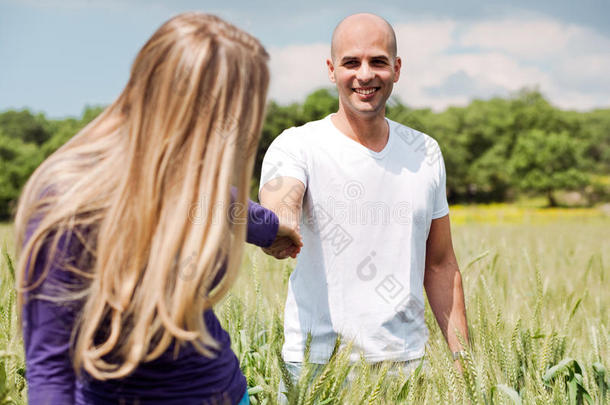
point(116, 280)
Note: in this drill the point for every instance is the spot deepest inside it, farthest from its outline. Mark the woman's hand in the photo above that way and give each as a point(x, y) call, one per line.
point(287, 242)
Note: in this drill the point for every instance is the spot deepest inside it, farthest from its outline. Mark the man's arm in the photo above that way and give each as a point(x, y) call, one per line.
point(284, 196)
point(443, 283)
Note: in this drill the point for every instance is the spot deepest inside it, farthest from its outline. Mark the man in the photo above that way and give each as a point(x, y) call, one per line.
point(369, 195)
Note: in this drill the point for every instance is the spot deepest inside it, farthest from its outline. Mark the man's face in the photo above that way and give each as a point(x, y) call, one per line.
point(364, 69)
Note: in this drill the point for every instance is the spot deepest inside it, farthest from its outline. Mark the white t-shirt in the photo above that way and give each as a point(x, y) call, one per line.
point(365, 221)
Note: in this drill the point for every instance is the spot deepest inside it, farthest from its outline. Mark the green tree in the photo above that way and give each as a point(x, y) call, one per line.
point(419, 119)
point(530, 110)
point(594, 130)
point(90, 113)
point(488, 174)
point(62, 131)
point(547, 161)
point(319, 104)
point(488, 132)
point(25, 126)
point(446, 128)
point(18, 160)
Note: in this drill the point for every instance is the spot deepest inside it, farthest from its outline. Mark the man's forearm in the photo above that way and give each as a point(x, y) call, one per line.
point(284, 196)
point(446, 297)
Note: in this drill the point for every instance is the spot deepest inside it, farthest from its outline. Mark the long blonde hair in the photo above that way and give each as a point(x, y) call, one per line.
point(182, 131)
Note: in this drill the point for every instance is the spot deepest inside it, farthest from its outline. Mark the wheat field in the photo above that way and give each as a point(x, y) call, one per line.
point(536, 286)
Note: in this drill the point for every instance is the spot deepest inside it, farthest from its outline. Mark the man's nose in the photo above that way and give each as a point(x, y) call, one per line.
point(365, 73)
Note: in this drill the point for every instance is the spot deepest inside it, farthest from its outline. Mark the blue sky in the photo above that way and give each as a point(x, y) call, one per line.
point(58, 56)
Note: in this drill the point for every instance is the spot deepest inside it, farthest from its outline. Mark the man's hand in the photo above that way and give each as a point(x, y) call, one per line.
point(284, 196)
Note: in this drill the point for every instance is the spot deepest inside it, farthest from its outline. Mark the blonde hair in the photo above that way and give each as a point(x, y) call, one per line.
point(183, 130)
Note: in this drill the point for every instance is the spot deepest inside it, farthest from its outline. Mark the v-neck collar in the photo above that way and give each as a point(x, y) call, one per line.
point(357, 145)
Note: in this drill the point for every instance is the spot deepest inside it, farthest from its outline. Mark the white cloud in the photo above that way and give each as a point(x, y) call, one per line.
point(432, 60)
point(498, 69)
point(587, 72)
point(448, 62)
point(569, 62)
point(296, 70)
point(419, 39)
point(534, 38)
point(420, 45)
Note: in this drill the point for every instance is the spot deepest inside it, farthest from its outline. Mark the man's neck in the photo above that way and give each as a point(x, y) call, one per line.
point(371, 132)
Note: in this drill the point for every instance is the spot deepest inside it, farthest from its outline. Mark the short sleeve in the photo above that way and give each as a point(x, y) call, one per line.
point(284, 158)
point(441, 206)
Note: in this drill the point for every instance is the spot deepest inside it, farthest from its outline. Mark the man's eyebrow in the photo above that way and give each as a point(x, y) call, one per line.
point(348, 58)
point(377, 57)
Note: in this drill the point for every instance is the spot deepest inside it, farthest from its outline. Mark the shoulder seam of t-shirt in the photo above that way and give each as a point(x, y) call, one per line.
point(289, 135)
point(428, 141)
point(398, 125)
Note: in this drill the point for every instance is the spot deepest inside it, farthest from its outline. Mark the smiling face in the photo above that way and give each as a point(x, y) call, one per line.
point(364, 65)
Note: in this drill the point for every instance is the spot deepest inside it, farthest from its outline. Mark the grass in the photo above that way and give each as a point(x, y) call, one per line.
point(536, 292)
point(12, 367)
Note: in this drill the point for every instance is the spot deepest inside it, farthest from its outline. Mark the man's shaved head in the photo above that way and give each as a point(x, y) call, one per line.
point(353, 22)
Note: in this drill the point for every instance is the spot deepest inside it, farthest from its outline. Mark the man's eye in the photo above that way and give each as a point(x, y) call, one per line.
point(350, 63)
point(379, 62)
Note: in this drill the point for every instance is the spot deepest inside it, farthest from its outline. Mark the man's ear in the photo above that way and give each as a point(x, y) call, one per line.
point(397, 66)
point(331, 70)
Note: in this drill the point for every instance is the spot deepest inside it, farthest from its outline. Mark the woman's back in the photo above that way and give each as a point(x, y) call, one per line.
point(181, 376)
point(110, 305)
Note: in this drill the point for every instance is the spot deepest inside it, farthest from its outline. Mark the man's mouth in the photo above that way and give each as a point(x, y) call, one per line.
point(365, 91)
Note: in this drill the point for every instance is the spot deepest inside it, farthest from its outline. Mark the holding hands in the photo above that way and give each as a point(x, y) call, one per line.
point(287, 243)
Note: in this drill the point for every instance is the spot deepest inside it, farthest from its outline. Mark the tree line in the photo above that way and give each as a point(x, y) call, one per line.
point(494, 150)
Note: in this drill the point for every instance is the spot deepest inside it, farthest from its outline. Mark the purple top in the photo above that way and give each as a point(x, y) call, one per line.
point(190, 378)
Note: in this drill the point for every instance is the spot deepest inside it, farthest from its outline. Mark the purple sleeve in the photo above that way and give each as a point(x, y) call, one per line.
point(262, 225)
point(47, 328)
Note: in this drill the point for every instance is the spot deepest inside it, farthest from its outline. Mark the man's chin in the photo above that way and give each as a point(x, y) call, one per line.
point(367, 109)
point(363, 108)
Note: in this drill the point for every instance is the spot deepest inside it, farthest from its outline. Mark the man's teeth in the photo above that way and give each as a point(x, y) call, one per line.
point(364, 91)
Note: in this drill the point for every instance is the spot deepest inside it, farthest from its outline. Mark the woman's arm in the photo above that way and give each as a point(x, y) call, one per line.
point(263, 225)
point(47, 327)
point(266, 230)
